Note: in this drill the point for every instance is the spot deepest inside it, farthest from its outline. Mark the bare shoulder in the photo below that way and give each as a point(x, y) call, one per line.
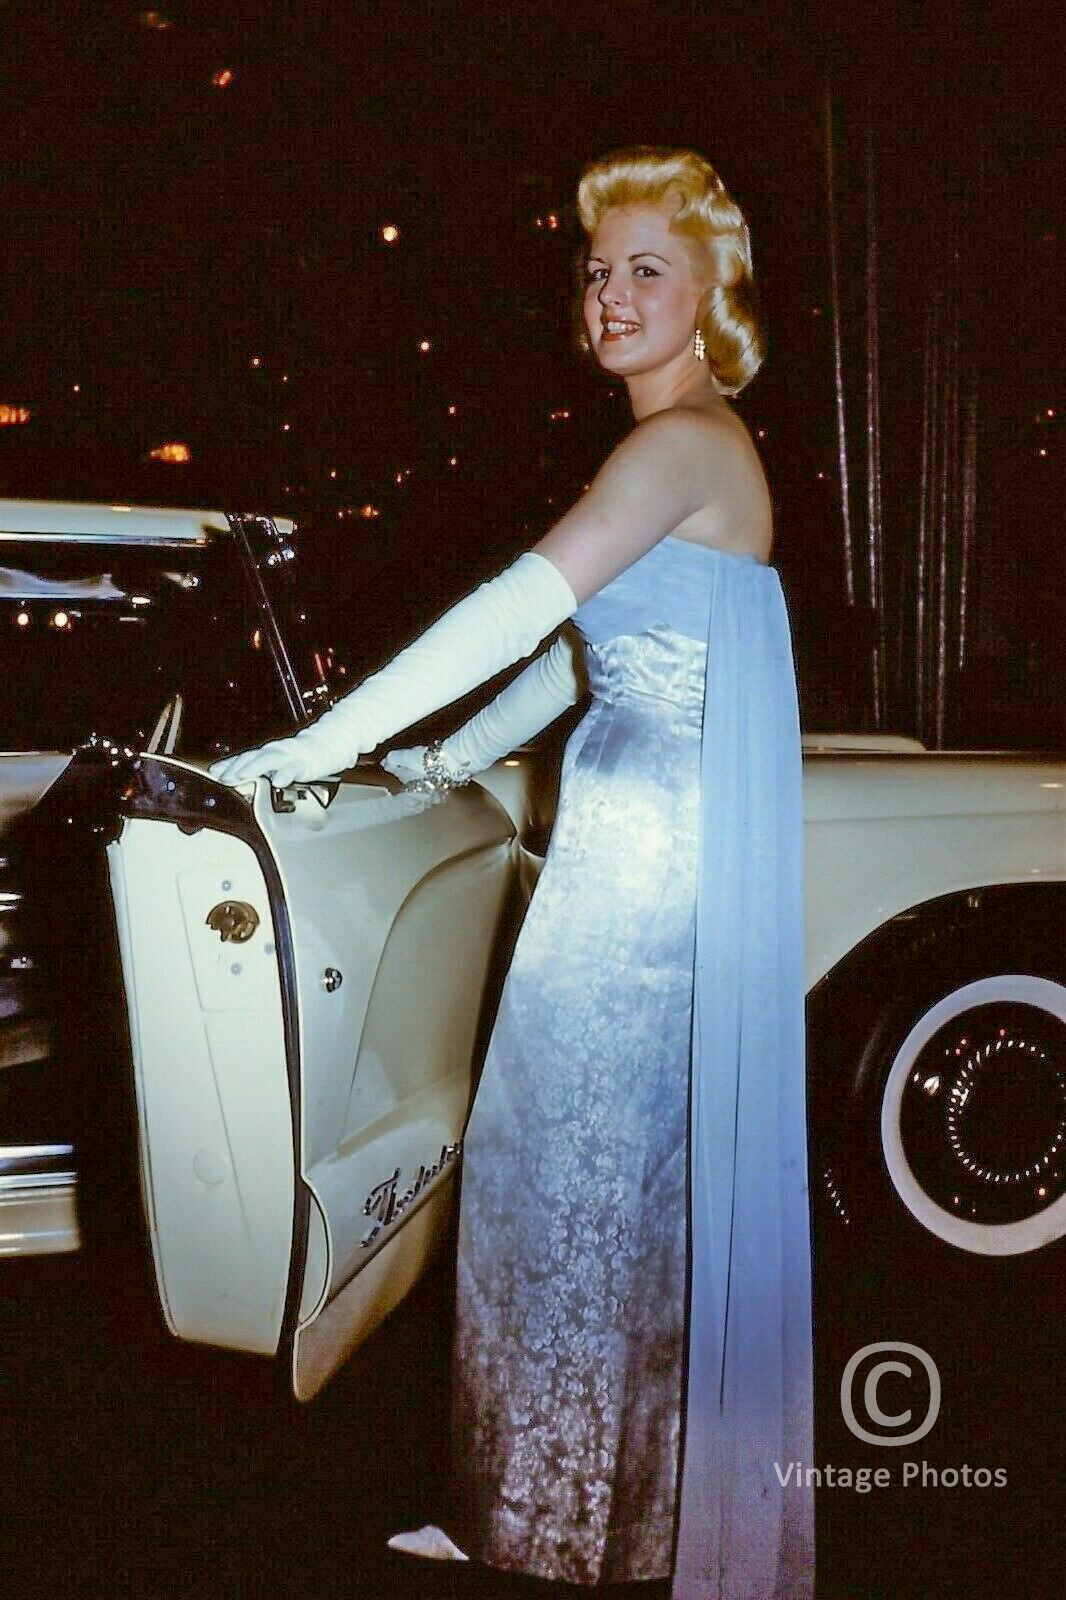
point(686, 422)
point(681, 470)
point(695, 432)
point(713, 453)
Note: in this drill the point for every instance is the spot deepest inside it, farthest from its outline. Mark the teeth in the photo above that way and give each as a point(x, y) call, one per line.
point(622, 327)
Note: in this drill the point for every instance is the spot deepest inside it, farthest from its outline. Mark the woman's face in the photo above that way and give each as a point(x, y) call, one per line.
point(642, 291)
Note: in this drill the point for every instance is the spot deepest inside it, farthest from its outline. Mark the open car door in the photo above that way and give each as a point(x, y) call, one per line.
point(307, 975)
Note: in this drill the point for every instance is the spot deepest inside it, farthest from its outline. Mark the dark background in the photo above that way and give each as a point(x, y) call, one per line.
point(161, 231)
point(165, 229)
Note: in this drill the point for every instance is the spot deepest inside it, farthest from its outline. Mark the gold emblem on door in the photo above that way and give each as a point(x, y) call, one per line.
point(234, 920)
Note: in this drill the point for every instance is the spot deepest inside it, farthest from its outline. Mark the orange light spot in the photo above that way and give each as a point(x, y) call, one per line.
point(174, 451)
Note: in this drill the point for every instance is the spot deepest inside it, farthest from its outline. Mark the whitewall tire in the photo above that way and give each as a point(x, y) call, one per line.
point(973, 1116)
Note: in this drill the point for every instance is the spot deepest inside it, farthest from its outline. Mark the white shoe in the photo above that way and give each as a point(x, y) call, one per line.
point(430, 1541)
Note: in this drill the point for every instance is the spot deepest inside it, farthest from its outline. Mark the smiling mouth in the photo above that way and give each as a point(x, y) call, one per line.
point(616, 328)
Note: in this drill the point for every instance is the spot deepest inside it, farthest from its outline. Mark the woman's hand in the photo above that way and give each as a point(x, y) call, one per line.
point(407, 765)
point(283, 761)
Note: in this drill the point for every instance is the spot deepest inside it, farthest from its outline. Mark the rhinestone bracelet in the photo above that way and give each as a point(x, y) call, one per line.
point(438, 780)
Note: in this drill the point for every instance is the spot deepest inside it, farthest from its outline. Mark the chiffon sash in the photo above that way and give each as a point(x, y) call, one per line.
point(743, 1534)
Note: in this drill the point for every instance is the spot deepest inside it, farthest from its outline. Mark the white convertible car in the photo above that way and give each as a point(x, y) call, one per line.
point(289, 991)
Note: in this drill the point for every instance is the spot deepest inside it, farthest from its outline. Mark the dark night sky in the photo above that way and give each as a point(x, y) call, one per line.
point(161, 231)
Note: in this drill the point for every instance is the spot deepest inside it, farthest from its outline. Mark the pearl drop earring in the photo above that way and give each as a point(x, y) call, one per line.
point(699, 346)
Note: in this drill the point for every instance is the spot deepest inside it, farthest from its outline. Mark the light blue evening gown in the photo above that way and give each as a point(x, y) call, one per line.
point(633, 1351)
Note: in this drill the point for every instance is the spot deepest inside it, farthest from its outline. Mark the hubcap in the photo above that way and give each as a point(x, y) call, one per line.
point(983, 1114)
point(973, 1119)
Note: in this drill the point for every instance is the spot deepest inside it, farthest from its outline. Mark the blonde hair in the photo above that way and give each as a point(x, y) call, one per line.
point(713, 225)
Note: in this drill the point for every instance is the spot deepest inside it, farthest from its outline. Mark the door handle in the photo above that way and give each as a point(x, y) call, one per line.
point(320, 793)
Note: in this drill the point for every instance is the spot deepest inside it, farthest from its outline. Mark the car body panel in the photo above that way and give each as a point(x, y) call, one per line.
point(884, 833)
point(25, 778)
point(65, 519)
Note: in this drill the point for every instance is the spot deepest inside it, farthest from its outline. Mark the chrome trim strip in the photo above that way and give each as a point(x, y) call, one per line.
point(155, 541)
point(20, 1182)
point(24, 1152)
point(25, 1167)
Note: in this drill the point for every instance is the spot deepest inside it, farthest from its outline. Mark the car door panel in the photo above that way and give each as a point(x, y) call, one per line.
point(322, 1344)
point(414, 1059)
point(302, 1094)
point(211, 1082)
point(404, 902)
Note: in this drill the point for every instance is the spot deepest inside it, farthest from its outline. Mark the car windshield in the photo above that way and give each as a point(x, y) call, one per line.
point(141, 645)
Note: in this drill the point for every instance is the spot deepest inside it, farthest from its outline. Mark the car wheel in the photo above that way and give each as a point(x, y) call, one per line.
point(956, 1109)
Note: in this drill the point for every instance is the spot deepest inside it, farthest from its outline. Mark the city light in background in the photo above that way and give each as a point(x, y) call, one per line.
point(265, 255)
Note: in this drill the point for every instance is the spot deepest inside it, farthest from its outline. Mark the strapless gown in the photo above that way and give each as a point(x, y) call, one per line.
point(633, 1340)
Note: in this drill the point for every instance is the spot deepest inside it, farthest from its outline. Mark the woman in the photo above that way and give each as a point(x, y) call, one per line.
point(633, 1353)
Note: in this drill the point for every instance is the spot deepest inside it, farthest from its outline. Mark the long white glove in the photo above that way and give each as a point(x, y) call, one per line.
point(498, 623)
point(547, 688)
